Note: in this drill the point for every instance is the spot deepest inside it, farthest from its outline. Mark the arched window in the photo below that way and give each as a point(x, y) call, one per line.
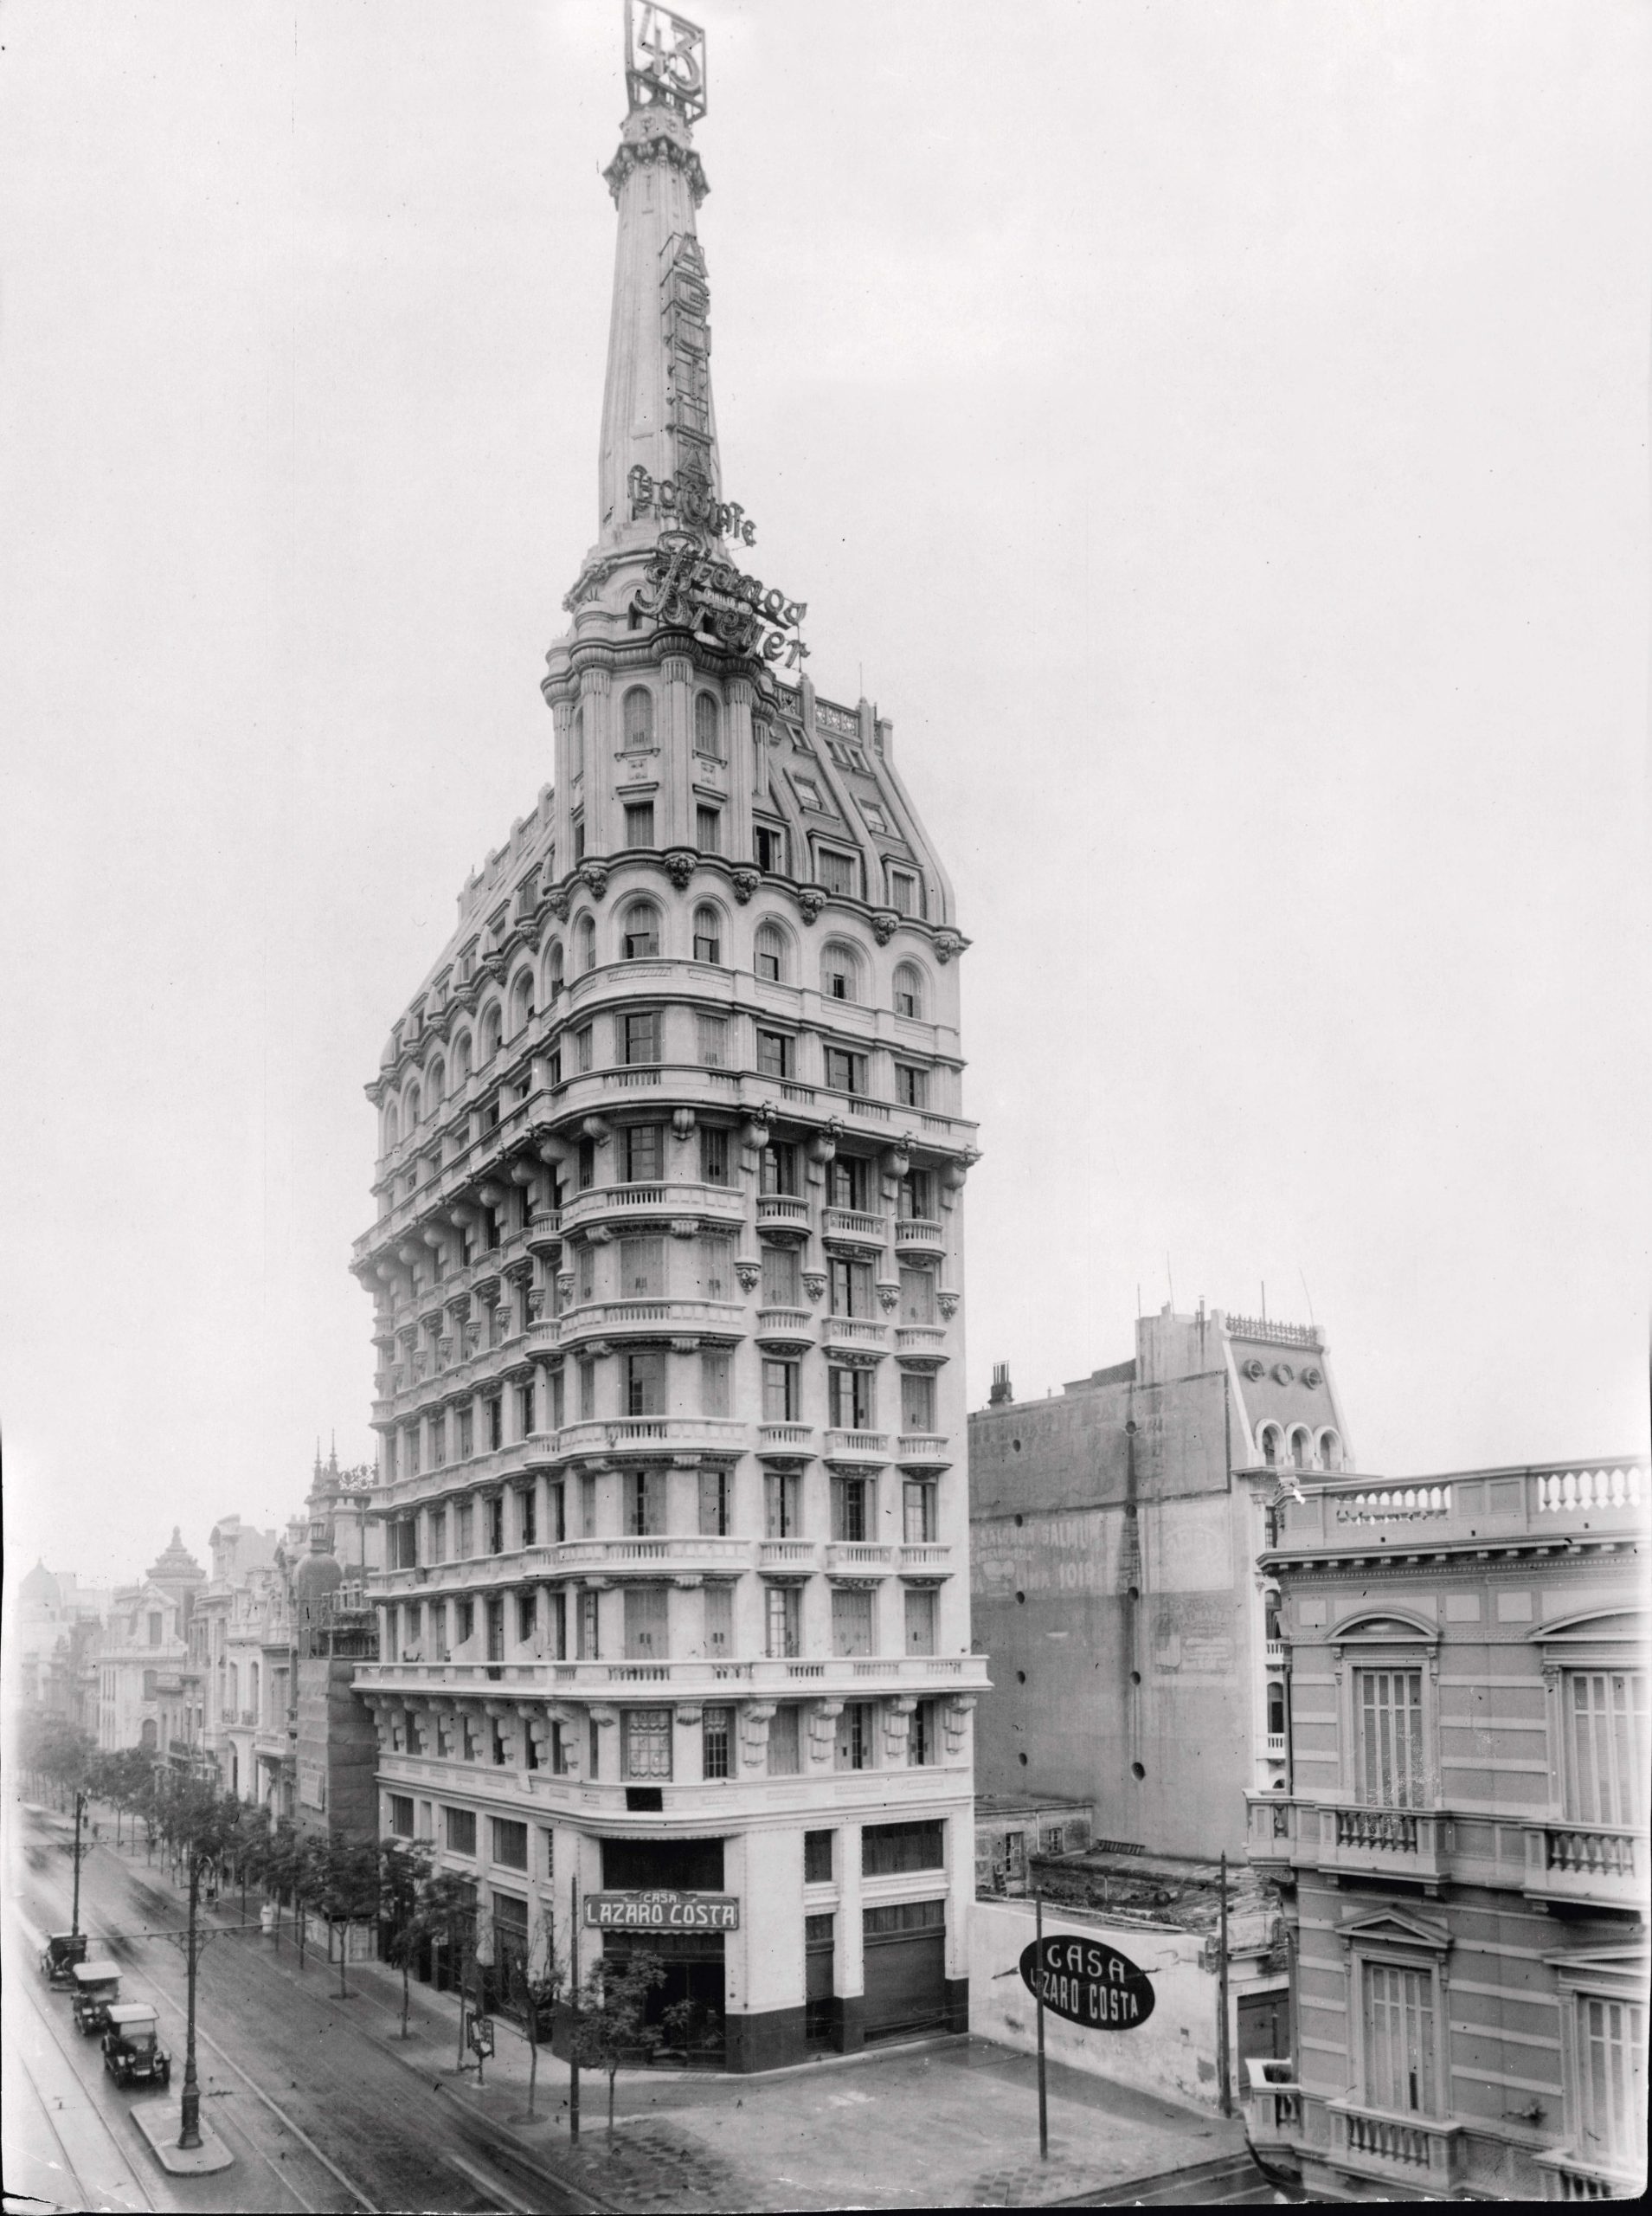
point(493, 1031)
point(554, 970)
point(437, 1082)
point(772, 954)
point(640, 932)
point(1267, 1440)
point(1302, 1448)
point(708, 727)
point(146, 1737)
point(413, 1108)
point(908, 990)
point(585, 942)
point(839, 972)
point(1330, 1451)
point(638, 718)
point(521, 1001)
point(708, 932)
point(1275, 1712)
point(461, 1059)
point(392, 1125)
point(578, 743)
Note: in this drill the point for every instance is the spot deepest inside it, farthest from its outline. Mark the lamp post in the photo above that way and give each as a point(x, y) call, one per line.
point(80, 1810)
point(482, 1956)
point(191, 2134)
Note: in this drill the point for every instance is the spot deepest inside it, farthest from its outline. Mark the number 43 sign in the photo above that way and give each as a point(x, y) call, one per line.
point(665, 58)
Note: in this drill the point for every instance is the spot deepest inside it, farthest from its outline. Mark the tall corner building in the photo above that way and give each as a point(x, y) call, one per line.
point(668, 1274)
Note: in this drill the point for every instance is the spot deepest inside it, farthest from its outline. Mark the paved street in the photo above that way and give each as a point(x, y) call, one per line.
point(326, 2108)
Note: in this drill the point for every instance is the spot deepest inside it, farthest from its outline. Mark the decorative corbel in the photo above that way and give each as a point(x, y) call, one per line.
point(755, 1719)
point(685, 1227)
point(595, 877)
point(810, 902)
point(946, 944)
point(948, 1304)
point(746, 882)
point(683, 1121)
point(823, 1729)
point(885, 924)
point(748, 1272)
point(889, 1295)
point(814, 1283)
point(681, 862)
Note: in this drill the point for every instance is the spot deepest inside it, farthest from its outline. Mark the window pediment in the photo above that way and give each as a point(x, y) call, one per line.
point(1599, 1628)
point(1396, 1928)
point(1392, 1629)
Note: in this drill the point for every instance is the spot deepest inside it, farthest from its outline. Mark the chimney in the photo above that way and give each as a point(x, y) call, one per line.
point(1001, 1394)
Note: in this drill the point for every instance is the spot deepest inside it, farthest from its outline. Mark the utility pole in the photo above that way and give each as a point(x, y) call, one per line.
point(191, 2134)
point(1044, 2101)
point(1222, 2062)
point(573, 1982)
point(80, 1810)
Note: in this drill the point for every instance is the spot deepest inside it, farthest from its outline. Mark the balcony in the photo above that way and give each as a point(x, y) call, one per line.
point(852, 1228)
point(781, 1212)
point(1416, 2153)
point(1276, 1746)
point(1409, 1844)
point(930, 1674)
point(721, 1204)
point(922, 1447)
point(854, 1331)
point(785, 1327)
point(1353, 1515)
point(1276, 1653)
point(652, 1435)
point(658, 1318)
point(857, 1446)
point(916, 1235)
point(928, 1558)
point(649, 1556)
point(786, 1554)
point(1273, 2102)
point(859, 1557)
point(785, 1441)
point(1595, 1865)
point(545, 1230)
point(921, 1345)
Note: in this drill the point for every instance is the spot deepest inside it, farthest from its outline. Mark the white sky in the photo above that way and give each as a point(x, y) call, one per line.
point(1219, 431)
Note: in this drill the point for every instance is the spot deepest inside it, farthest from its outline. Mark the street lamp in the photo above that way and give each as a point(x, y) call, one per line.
point(482, 1956)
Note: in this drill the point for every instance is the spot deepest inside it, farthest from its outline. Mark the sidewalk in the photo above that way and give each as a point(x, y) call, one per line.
point(952, 2121)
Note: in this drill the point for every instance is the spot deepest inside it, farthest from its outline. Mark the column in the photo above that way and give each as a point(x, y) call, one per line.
point(674, 803)
point(849, 1964)
point(747, 760)
point(595, 699)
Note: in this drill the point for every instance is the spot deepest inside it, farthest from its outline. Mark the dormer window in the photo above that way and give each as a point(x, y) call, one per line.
point(809, 793)
point(638, 719)
point(839, 873)
point(769, 848)
point(903, 891)
point(708, 727)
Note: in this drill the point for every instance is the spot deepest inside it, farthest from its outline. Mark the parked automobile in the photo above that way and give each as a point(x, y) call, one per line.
point(96, 1985)
point(132, 2048)
point(63, 1951)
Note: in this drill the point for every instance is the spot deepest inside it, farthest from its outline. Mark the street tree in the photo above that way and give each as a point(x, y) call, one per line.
point(347, 1872)
point(530, 1987)
point(404, 1871)
point(611, 2028)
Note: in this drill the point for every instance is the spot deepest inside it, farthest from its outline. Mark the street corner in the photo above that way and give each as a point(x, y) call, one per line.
point(160, 2123)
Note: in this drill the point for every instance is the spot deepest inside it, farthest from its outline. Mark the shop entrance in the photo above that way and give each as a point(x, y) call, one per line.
point(687, 2005)
point(906, 1968)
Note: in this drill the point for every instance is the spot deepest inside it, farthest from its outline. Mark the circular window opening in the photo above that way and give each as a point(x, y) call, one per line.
point(1020, 1677)
point(1135, 1593)
point(1016, 1443)
point(1022, 1760)
point(1136, 1770)
point(1021, 1597)
point(1019, 1521)
point(1136, 1677)
point(1130, 1426)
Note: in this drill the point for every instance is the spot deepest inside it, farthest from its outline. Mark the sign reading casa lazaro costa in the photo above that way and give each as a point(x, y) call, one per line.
point(1088, 1982)
point(662, 1911)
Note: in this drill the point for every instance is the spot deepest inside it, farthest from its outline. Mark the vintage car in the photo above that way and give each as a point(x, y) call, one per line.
point(132, 2048)
point(96, 1984)
point(62, 1950)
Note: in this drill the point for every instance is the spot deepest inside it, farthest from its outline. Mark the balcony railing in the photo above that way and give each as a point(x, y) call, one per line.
point(895, 1672)
point(647, 1552)
point(785, 1438)
point(926, 1555)
point(601, 1318)
point(853, 1227)
point(1304, 1834)
point(1419, 2152)
point(1273, 2101)
point(919, 1338)
point(1276, 1746)
point(863, 1445)
point(786, 1554)
point(920, 1447)
point(1276, 1653)
point(1392, 1830)
point(861, 1555)
point(780, 1210)
point(794, 1326)
point(915, 1233)
point(1468, 1507)
point(854, 1331)
point(1596, 1865)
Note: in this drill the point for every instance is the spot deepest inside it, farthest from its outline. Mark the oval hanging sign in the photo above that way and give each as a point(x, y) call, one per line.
point(1087, 1982)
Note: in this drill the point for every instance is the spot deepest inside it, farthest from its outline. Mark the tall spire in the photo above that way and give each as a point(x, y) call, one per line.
point(659, 429)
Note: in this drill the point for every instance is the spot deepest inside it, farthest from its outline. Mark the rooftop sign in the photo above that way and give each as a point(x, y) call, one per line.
point(665, 59)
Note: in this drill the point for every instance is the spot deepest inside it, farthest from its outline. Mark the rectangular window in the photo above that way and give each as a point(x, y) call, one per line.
point(920, 1620)
point(904, 893)
point(719, 1621)
point(784, 1752)
point(917, 1295)
point(465, 1622)
point(851, 1621)
point(781, 1284)
point(919, 1512)
point(770, 847)
point(527, 1617)
point(510, 1843)
point(595, 1749)
point(920, 1737)
point(714, 1504)
point(496, 1627)
point(845, 1073)
point(849, 1399)
point(780, 1612)
point(839, 873)
point(916, 1202)
point(778, 1174)
point(639, 1037)
point(644, 1384)
point(525, 1415)
point(401, 1815)
point(645, 1616)
point(460, 1832)
point(558, 1409)
point(646, 1741)
point(438, 1631)
point(467, 1433)
point(1399, 2039)
point(853, 1749)
point(782, 1391)
point(588, 1626)
point(495, 1425)
point(851, 1285)
point(713, 1156)
point(714, 1041)
point(411, 1435)
point(849, 1183)
point(776, 1054)
point(585, 1267)
point(462, 1531)
point(639, 823)
point(527, 1517)
point(708, 829)
point(642, 1268)
point(412, 1644)
point(1612, 2083)
point(493, 1509)
point(579, 838)
point(896, 1850)
point(1389, 1706)
point(716, 1732)
point(850, 1508)
point(645, 1153)
point(917, 1400)
point(714, 1254)
point(644, 1503)
point(1607, 1755)
point(817, 1858)
point(557, 1641)
point(583, 1051)
point(438, 1440)
point(911, 1086)
point(716, 1373)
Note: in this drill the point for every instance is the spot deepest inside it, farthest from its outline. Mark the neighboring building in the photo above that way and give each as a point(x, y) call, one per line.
point(1466, 1844)
point(241, 1642)
point(335, 1739)
point(1115, 1532)
point(149, 1689)
point(1012, 1829)
point(668, 1267)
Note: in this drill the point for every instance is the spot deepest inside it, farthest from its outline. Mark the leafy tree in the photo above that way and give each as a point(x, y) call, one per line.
point(446, 1916)
point(611, 2027)
point(532, 1986)
point(404, 1871)
point(347, 1874)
